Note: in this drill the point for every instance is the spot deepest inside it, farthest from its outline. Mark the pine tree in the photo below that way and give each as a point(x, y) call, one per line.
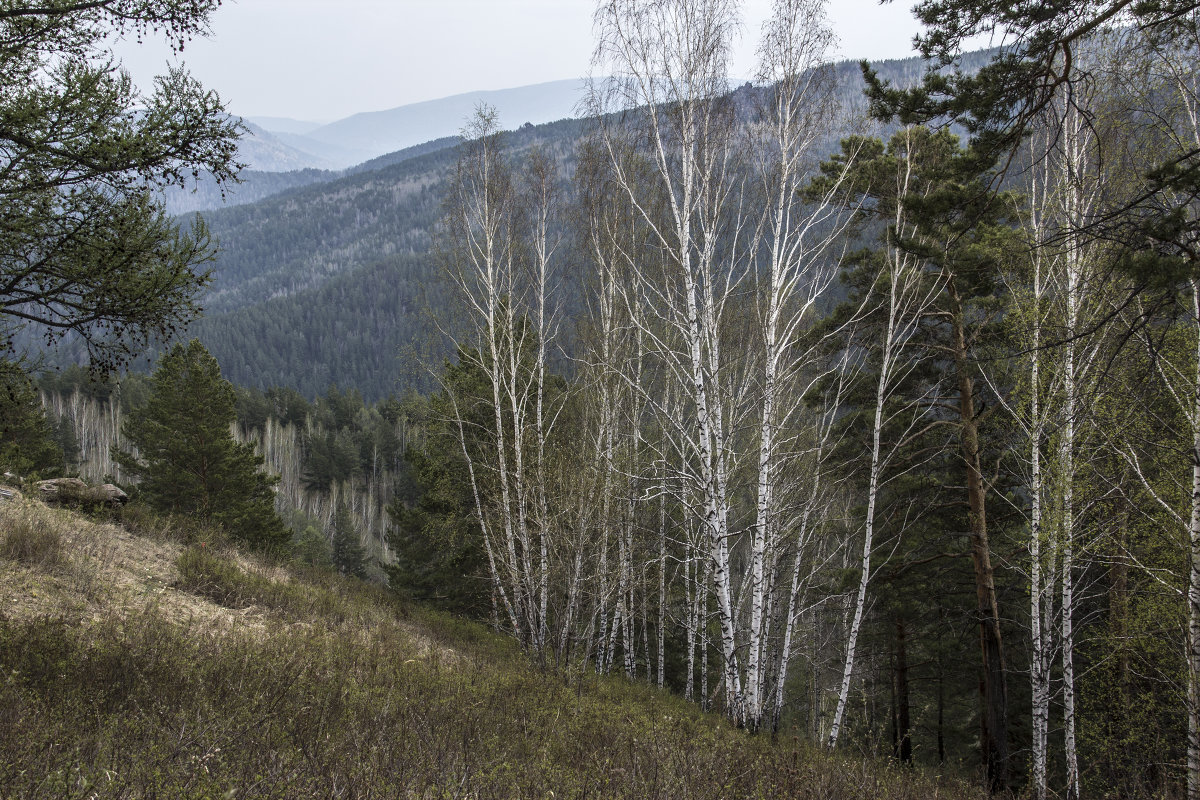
point(86, 248)
point(27, 440)
point(188, 461)
point(349, 557)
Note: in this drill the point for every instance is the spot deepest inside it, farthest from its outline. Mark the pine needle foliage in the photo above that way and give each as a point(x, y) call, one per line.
point(188, 461)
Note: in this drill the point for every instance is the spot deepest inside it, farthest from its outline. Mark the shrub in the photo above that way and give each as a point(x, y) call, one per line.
point(205, 571)
point(142, 520)
point(310, 548)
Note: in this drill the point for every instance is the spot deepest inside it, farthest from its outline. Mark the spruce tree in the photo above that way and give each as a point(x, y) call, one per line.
point(27, 440)
point(188, 461)
point(348, 555)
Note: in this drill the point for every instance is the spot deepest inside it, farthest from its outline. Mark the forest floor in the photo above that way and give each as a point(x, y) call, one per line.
point(140, 660)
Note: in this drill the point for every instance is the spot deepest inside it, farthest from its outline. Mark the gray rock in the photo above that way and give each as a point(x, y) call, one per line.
point(74, 492)
point(116, 497)
point(60, 489)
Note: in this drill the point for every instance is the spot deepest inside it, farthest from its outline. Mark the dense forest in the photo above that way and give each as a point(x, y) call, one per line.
point(892, 445)
point(858, 405)
point(273, 297)
point(333, 454)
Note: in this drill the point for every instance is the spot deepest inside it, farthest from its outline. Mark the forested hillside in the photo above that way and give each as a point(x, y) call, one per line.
point(256, 184)
point(335, 453)
point(857, 407)
point(302, 238)
point(894, 446)
point(371, 233)
point(253, 186)
point(370, 329)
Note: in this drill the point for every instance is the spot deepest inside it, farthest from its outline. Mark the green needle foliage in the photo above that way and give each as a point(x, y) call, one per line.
point(188, 461)
point(27, 443)
point(348, 554)
point(86, 247)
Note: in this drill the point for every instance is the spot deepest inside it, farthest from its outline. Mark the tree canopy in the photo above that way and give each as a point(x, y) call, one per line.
point(188, 461)
point(85, 245)
point(1001, 103)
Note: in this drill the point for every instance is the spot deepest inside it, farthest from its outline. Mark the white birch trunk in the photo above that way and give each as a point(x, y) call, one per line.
point(1193, 583)
point(1067, 578)
point(1040, 608)
point(662, 586)
point(860, 602)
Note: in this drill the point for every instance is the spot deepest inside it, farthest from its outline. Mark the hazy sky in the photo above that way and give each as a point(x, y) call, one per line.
point(327, 59)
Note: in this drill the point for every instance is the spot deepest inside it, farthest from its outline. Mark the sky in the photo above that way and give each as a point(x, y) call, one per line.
point(322, 60)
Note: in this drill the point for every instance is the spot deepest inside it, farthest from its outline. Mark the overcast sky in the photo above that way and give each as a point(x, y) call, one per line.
point(326, 59)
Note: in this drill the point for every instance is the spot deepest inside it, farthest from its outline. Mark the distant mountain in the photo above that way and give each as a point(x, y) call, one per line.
point(272, 166)
point(379, 162)
point(283, 153)
point(257, 185)
point(284, 124)
point(327, 281)
point(338, 155)
point(378, 132)
point(263, 151)
point(205, 195)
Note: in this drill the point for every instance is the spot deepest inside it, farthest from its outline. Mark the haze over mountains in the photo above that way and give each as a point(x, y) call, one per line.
point(281, 144)
point(328, 276)
point(282, 153)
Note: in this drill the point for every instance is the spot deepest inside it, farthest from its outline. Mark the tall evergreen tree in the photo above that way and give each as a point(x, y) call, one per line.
point(188, 461)
point(349, 557)
point(27, 439)
point(940, 215)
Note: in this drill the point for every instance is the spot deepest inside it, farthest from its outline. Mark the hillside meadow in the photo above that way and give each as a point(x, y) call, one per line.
point(143, 658)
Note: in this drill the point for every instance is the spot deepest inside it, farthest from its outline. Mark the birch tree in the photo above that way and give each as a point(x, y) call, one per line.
point(797, 238)
point(1071, 293)
point(723, 203)
point(501, 266)
point(1080, 278)
point(1034, 421)
point(668, 60)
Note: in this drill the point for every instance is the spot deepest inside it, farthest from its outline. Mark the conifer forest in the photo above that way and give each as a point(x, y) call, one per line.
point(856, 405)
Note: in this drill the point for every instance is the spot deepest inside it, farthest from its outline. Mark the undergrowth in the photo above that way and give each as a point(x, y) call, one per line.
point(363, 700)
point(321, 596)
point(32, 539)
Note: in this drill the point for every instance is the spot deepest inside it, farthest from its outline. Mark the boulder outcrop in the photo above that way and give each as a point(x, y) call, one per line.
point(76, 492)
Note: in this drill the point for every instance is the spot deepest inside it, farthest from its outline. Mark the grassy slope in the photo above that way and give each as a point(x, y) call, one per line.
point(140, 663)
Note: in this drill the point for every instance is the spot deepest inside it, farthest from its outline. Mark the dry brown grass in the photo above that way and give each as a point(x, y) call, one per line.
point(95, 572)
point(197, 672)
point(55, 562)
point(29, 537)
